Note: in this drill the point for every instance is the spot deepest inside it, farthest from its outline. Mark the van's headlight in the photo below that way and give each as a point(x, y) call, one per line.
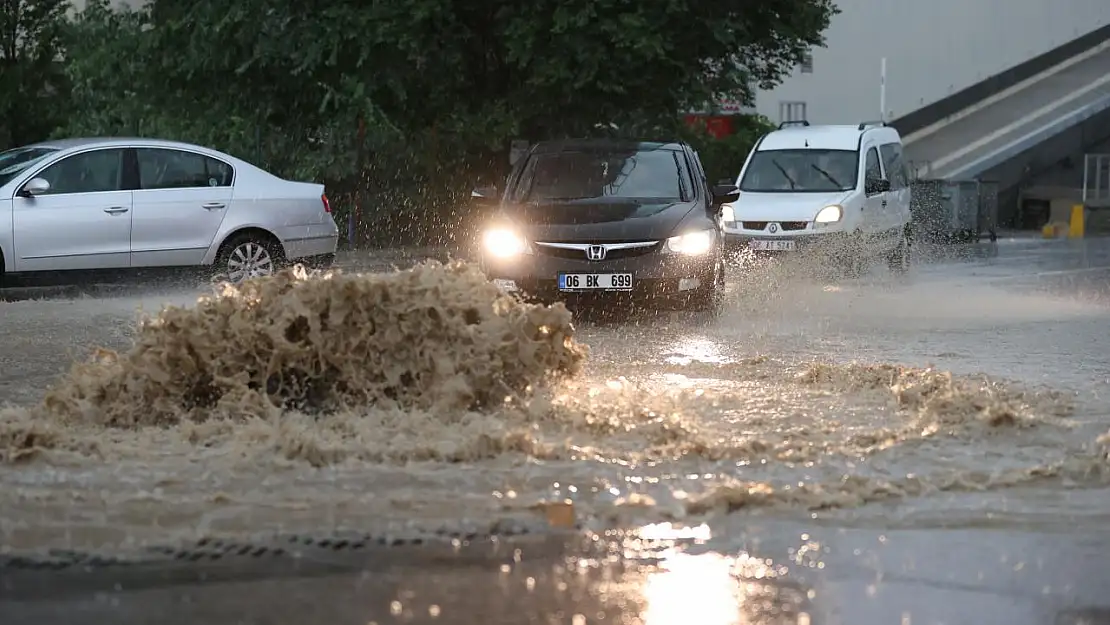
point(829, 214)
point(504, 243)
point(728, 213)
point(691, 243)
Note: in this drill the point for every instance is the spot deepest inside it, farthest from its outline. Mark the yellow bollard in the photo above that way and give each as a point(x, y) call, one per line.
point(1077, 226)
point(1049, 231)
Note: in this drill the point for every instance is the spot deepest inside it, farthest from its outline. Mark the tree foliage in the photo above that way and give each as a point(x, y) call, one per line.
point(403, 102)
point(32, 85)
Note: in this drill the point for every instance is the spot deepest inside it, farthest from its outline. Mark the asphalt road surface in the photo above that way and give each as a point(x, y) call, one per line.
point(876, 450)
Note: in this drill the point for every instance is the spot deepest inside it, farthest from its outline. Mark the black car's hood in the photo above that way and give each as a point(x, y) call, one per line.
point(596, 220)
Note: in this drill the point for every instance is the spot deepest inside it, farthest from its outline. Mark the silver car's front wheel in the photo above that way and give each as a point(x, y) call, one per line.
point(248, 257)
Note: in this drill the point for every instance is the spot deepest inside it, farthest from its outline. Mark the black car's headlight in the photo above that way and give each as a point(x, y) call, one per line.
point(504, 243)
point(692, 243)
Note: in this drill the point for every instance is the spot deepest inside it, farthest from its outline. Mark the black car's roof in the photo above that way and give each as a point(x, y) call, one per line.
point(564, 145)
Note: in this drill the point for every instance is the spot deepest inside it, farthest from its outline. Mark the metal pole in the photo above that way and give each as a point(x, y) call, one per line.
point(882, 90)
point(1086, 175)
point(1098, 177)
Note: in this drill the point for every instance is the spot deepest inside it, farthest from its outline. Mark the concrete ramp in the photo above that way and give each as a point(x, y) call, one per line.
point(1005, 124)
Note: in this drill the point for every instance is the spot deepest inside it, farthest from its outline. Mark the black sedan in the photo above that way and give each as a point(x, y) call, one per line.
point(593, 219)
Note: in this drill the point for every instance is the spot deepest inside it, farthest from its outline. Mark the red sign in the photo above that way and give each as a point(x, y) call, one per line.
point(718, 126)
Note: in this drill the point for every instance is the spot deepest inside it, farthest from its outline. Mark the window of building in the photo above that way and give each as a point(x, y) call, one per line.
point(792, 111)
point(807, 63)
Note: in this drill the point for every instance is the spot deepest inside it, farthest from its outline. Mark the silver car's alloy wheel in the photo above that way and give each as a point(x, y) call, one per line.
point(249, 260)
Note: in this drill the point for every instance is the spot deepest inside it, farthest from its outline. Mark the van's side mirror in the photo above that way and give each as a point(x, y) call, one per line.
point(725, 194)
point(876, 185)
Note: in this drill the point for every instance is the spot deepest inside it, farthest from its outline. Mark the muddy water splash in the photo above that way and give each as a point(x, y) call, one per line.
point(427, 395)
point(436, 337)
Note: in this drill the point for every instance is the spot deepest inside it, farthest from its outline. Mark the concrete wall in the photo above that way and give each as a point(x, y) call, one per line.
point(1051, 171)
point(933, 50)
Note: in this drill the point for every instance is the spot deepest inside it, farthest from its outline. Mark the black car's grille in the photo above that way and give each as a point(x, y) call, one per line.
point(611, 254)
point(785, 225)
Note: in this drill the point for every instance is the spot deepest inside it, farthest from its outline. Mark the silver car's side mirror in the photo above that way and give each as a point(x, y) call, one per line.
point(35, 186)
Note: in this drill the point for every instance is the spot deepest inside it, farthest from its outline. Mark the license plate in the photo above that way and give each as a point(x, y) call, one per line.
point(772, 246)
point(595, 282)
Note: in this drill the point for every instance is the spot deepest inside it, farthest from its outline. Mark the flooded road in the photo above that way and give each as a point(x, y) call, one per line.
point(917, 450)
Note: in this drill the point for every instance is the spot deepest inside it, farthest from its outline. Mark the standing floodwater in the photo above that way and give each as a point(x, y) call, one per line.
point(967, 394)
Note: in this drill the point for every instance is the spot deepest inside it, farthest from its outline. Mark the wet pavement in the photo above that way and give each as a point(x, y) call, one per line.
point(893, 518)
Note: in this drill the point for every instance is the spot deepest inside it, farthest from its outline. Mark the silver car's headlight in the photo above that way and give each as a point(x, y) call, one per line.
point(829, 214)
point(504, 243)
point(691, 243)
point(728, 213)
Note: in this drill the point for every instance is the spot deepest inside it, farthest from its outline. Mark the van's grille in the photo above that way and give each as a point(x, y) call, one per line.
point(785, 225)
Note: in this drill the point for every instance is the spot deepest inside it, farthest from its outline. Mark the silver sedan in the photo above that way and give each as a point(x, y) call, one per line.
point(113, 203)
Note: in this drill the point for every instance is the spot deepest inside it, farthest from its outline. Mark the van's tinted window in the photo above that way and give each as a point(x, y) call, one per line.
point(801, 171)
point(874, 171)
point(895, 168)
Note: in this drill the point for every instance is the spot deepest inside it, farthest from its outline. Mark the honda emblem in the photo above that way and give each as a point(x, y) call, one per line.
point(596, 252)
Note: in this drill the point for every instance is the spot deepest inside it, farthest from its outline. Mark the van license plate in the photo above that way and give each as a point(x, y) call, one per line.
point(772, 246)
point(595, 282)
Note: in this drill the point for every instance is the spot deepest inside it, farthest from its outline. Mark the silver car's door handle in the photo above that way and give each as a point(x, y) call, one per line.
point(212, 206)
point(115, 210)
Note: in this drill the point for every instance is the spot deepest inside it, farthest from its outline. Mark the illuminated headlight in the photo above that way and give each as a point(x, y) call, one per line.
point(503, 243)
point(829, 214)
point(691, 243)
point(727, 213)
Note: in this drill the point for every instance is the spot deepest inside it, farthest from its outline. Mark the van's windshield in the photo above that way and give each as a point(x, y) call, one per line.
point(801, 171)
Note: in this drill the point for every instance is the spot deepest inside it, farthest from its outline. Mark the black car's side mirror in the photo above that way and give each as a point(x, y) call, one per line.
point(725, 194)
point(876, 185)
point(485, 194)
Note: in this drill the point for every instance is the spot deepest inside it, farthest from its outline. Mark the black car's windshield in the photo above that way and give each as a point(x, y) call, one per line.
point(12, 162)
point(801, 171)
point(589, 174)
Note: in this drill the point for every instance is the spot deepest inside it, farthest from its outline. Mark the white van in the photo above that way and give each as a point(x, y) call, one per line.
point(839, 189)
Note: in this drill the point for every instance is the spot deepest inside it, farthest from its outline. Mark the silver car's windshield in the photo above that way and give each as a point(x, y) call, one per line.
point(12, 162)
point(801, 171)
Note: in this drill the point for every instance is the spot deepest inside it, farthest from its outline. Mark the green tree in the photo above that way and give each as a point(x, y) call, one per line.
point(439, 86)
point(33, 91)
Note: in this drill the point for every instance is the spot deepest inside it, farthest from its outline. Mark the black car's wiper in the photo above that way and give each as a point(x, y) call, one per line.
point(827, 176)
point(793, 185)
point(567, 198)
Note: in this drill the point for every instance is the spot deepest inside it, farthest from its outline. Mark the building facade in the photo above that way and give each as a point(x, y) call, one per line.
point(932, 50)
